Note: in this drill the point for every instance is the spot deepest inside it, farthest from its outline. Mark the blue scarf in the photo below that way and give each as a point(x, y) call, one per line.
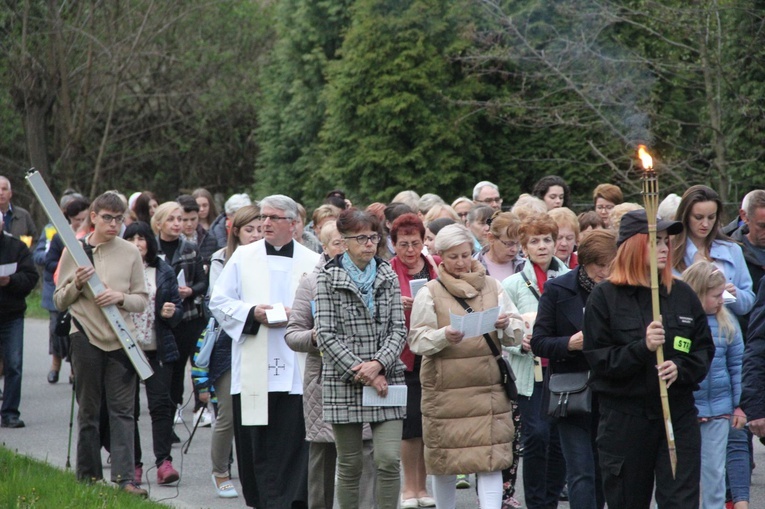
point(363, 279)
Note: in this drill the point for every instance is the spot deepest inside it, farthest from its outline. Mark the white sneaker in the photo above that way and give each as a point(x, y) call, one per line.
point(207, 418)
point(179, 416)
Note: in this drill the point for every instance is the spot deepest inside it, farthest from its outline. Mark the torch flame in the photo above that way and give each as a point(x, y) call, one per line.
point(645, 158)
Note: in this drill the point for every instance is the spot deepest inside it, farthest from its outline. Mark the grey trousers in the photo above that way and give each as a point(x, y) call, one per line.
point(97, 371)
point(223, 430)
point(322, 457)
point(386, 437)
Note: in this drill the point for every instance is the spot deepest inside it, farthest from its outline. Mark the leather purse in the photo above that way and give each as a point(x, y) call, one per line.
point(570, 394)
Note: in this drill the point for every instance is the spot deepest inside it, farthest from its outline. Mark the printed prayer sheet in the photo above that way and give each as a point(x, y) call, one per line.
point(476, 323)
point(182, 279)
point(415, 285)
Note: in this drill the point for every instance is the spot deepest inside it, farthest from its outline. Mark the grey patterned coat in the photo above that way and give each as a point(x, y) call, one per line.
point(348, 335)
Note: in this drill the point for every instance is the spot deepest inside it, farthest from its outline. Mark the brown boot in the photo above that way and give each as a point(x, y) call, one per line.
point(134, 489)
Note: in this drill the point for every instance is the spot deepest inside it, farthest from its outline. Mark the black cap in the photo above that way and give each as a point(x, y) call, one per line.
point(635, 221)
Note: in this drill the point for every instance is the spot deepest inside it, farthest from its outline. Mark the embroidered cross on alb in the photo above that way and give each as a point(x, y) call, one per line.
point(276, 367)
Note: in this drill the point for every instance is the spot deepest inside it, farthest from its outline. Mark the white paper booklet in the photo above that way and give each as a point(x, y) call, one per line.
point(396, 396)
point(476, 323)
point(277, 313)
point(7, 269)
point(182, 279)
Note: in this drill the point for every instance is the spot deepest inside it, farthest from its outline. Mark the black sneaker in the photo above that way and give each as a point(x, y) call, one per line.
point(13, 422)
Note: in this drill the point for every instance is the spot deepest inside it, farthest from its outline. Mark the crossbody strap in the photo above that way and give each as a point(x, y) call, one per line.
point(494, 350)
point(530, 286)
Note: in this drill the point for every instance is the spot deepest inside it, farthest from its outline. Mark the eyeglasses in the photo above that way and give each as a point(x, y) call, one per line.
point(462, 214)
point(363, 239)
point(406, 245)
point(491, 200)
point(108, 218)
point(272, 218)
point(509, 243)
point(605, 207)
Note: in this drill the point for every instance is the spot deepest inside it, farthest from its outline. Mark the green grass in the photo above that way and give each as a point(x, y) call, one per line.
point(26, 483)
point(34, 305)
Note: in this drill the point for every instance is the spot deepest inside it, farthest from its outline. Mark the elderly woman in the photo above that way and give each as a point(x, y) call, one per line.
point(301, 337)
point(554, 191)
point(502, 257)
point(407, 233)
point(462, 206)
point(568, 236)
point(467, 421)
point(620, 341)
point(543, 464)
point(360, 331)
point(558, 337)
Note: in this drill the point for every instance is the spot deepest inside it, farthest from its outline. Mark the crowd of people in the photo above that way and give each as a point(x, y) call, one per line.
point(341, 363)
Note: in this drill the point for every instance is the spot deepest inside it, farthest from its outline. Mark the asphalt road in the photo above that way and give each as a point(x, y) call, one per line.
point(45, 408)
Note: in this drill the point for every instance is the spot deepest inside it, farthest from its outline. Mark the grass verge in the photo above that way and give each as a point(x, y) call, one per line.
point(34, 305)
point(26, 483)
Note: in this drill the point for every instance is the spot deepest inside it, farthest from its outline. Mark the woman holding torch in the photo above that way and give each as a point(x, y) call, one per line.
point(620, 341)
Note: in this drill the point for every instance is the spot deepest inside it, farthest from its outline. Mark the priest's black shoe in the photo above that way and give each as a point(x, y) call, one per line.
point(13, 422)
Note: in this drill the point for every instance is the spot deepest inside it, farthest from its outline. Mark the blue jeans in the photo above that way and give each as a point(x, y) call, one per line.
point(12, 345)
point(739, 464)
point(714, 437)
point(544, 469)
point(577, 439)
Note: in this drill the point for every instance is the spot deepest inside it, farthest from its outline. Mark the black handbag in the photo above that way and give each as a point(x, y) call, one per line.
point(570, 394)
point(508, 377)
point(63, 324)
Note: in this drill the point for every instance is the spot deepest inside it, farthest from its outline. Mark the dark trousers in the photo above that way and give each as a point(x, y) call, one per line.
point(544, 469)
point(186, 333)
point(633, 453)
point(577, 439)
point(12, 349)
point(161, 408)
point(273, 459)
point(110, 373)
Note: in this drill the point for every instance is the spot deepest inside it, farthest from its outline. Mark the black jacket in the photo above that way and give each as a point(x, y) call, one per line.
point(560, 316)
point(167, 291)
point(13, 296)
point(623, 368)
point(753, 372)
point(187, 259)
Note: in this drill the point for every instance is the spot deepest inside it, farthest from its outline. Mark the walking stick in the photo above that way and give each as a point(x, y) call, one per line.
point(651, 202)
point(191, 437)
point(71, 420)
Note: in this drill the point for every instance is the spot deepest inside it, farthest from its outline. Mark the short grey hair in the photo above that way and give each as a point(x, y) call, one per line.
point(281, 202)
point(408, 197)
point(451, 236)
point(427, 201)
point(668, 207)
point(481, 185)
point(753, 201)
point(236, 202)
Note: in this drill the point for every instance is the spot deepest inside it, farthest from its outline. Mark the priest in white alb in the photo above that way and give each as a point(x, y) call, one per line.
point(251, 301)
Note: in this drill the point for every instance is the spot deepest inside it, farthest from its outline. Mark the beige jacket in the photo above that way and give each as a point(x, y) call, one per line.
point(466, 416)
point(119, 266)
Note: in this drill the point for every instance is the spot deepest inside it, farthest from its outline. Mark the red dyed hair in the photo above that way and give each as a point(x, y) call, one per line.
point(631, 265)
point(407, 224)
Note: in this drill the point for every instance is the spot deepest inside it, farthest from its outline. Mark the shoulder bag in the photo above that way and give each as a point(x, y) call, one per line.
point(570, 394)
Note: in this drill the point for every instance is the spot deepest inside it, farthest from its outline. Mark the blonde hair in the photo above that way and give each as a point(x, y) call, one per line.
point(160, 215)
point(615, 217)
point(440, 210)
point(703, 277)
point(528, 205)
point(564, 216)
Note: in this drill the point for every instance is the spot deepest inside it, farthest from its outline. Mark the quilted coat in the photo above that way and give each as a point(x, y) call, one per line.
point(720, 392)
point(347, 335)
point(516, 288)
point(298, 337)
point(466, 415)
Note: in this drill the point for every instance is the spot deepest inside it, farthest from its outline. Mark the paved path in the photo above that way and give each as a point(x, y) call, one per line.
point(45, 409)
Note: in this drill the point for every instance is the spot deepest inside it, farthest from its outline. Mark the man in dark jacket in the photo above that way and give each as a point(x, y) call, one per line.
point(15, 285)
point(17, 221)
